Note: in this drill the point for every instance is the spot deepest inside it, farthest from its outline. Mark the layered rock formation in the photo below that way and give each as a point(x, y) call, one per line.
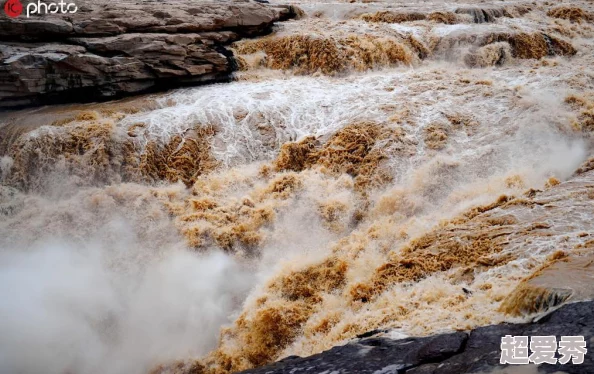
point(475, 352)
point(108, 49)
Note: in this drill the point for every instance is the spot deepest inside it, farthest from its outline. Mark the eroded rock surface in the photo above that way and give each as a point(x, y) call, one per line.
point(108, 49)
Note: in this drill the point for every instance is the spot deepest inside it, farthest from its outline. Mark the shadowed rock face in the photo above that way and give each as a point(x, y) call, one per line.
point(475, 352)
point(108, 49)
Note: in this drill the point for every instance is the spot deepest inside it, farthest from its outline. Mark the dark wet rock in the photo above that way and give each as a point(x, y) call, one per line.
point(480, 15)
point(372, 333)
point(488, 15)
point(374, 354)
point(108, 49)
point(475, 352)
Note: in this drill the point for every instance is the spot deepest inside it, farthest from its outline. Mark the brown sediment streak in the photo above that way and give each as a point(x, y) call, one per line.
point(352, 150)
point(84, 149)
point(204, 220)
point(297, 156)
point(320, 299)
point(489, 55)
point(310, 283)
point(262, 333)
point(393, 17)
point(460, 249)
point(530, 298)
point(267, 331)
point(329, 50)
point(295, 299)
point(417, 46)
point(497, 48)
point(480, 15)
point(447, 18)
point(527, 299)
point(477, 15)
point(538, 45)
point(586, 167)
point(92, 152)
point(306, 54)
point(584, 104)
point(90, 147)
point(9, 134)
point(562, 277)
point(571, 13)
point(436, 136)
point(457, 244)
point(184, 158)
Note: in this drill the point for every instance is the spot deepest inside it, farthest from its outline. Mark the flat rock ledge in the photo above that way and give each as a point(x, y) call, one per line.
point(460, 352)
point(110, 49)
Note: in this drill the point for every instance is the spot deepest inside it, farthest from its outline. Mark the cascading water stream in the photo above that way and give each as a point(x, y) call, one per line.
point(362, 170)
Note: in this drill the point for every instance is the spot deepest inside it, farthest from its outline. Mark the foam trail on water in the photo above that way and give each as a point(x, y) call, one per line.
point(255, 118)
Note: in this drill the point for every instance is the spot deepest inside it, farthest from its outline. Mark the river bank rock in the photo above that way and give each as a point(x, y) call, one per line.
point(477, 351)
point(108, 49)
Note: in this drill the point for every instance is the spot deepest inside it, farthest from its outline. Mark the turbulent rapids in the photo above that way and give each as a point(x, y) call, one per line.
point(417, 168)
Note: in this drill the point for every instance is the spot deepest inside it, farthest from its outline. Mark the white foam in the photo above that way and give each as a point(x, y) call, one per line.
point(255, 118)
point(443, 30)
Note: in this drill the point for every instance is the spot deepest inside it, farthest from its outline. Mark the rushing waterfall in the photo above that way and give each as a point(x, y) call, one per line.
point(368, 163)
